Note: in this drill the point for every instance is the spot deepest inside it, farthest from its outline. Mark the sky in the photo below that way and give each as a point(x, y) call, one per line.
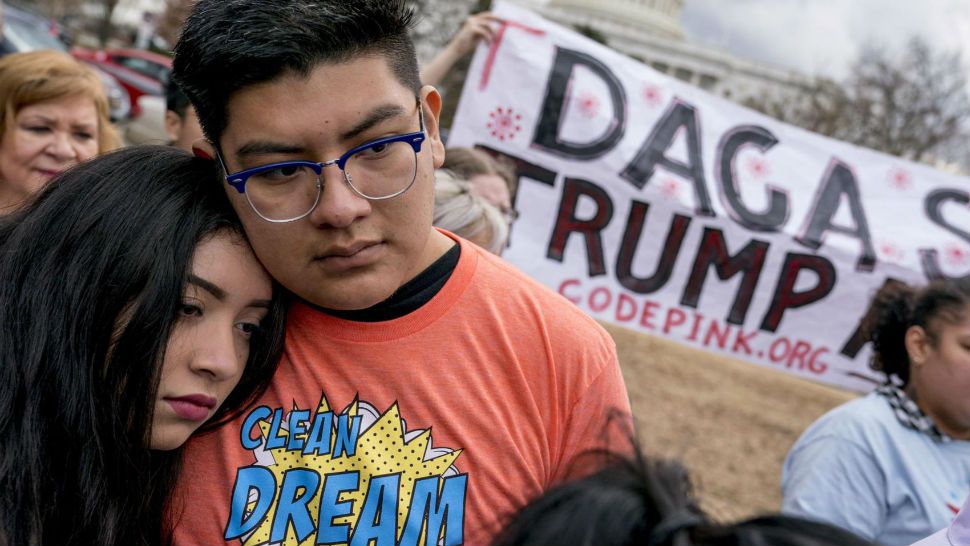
point(822, 37)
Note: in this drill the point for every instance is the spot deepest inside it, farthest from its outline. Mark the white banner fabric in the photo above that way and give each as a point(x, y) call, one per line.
point(656, 206)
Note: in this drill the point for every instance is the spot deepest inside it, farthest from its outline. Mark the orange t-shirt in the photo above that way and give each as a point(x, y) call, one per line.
point(428, 429)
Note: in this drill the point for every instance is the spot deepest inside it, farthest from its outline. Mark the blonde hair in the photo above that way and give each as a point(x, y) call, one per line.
point(468, 162)
point(465, 214)
point(38, 76)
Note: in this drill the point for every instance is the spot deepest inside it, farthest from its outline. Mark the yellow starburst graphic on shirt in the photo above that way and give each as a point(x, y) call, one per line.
point(381, 450)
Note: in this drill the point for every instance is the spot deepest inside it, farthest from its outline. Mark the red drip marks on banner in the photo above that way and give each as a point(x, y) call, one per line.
point(496, 43)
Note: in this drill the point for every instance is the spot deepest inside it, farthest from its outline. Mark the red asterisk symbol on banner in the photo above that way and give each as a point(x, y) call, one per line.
point(900, 178)
point(890, 251)
point(652, 95)
point(504, 123)
point(758, 167)
point(956, 254)
point(670, 188)
point(589, 104)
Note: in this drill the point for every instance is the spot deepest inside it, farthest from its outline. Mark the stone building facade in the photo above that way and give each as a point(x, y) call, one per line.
point(650, 31)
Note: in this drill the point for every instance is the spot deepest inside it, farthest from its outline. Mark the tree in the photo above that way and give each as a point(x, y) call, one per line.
point(174, 16)
point(438, 21)
point(912, 105)
point(105, 27)
point(56, 9)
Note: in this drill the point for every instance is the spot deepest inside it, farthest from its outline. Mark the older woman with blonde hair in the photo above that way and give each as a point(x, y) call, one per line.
point(490, 178)
point(53, 115)
point(467, 215)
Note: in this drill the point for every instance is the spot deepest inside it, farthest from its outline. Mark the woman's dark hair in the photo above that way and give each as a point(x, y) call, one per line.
point(91, 279)
point(646, 502)
point(897, 306)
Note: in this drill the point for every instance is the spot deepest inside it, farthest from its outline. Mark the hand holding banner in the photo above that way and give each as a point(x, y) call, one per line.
point(654, 205)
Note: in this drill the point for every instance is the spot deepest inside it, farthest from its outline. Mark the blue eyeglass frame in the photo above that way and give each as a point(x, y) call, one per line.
point(238, 180)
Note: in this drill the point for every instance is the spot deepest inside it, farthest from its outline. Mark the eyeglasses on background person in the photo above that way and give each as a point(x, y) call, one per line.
point(290, 190)
point(510, 215)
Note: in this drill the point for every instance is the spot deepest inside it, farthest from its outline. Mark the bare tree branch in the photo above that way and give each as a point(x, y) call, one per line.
point(170, 24)
point(914, 105)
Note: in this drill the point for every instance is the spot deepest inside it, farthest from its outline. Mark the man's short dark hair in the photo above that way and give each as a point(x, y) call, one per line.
point(228, 45)
point(175, 99)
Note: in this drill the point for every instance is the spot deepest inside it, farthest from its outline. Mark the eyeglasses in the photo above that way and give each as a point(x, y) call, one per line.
point(511, 215)
point(290, 190)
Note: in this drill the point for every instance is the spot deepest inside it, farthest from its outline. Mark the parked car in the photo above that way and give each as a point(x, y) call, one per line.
point(24, 31)
point(139, 72)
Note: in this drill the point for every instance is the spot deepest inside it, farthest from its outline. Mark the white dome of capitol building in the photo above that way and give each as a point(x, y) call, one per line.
point(658, 17)
point(650, 31)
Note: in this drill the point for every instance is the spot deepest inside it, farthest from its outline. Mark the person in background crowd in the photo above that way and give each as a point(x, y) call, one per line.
point(329, 144)
point(149, 126)
point(6, 48)
point(132, 311)
point(644, 502)
point(490, 179)
point(458, 210)
point(181, 123)
point(170, 120)
point(894, 466)
point(957, 534)
point(53, 115)
point(477, 27)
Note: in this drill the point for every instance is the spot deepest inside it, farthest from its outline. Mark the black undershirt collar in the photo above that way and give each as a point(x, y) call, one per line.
point(409, 297)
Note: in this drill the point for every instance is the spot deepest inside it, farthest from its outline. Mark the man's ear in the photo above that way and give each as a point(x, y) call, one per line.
point(204, 149)
point(432, 112)
point(173, 124)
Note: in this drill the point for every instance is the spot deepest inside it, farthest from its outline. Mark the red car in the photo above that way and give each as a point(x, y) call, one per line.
point(139, 72)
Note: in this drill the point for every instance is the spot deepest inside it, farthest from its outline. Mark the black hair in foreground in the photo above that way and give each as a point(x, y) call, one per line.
point(647, 502)
point(227, 45)
point(897, 306)
point(91, 280)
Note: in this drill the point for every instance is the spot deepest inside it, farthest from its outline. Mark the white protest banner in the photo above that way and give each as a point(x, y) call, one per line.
point(656, 206)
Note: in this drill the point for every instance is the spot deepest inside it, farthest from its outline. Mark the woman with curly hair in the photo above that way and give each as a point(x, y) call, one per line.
point(894, 466)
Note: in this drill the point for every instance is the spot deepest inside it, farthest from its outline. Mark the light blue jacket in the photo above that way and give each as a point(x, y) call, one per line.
point(859, 468)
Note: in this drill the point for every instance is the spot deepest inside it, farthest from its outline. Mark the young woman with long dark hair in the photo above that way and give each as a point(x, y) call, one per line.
point(132, 312)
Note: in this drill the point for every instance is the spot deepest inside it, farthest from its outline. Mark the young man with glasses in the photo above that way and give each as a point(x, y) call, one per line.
point(329, 143)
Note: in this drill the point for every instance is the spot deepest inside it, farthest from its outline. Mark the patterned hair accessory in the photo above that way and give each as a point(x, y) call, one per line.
point(670, 525)
point(909, 414)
